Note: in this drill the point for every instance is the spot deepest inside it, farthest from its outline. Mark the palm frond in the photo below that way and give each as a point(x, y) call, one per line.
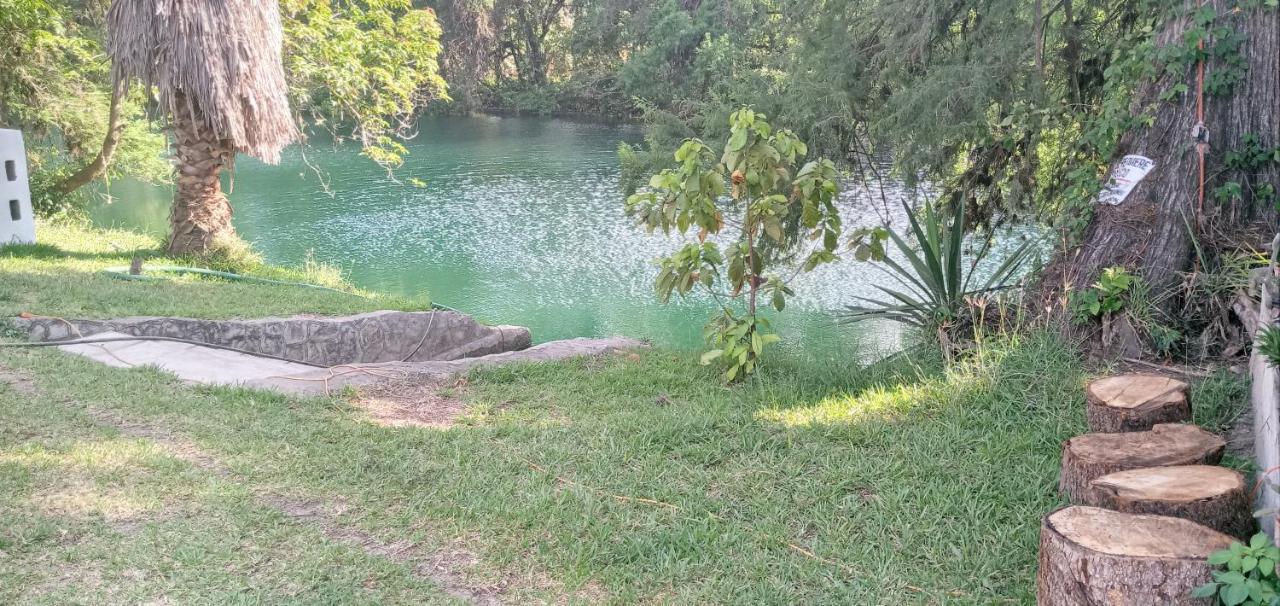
point(217, 61)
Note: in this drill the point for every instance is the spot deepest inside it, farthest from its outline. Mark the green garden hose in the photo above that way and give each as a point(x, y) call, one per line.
point(122, 273)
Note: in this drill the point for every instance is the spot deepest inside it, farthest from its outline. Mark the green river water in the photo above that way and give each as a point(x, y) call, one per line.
point(520, 221)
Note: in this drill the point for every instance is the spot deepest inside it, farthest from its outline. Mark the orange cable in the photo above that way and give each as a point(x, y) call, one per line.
point(1201, 132)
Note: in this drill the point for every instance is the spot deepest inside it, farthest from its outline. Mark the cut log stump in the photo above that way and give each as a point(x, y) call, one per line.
point(1090, 555)
point(1135, 402)
point(1092, 455)
point(1211, 496)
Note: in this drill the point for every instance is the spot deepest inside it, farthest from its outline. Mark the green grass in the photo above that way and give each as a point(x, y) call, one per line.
point(63, 277)
point(625, 479)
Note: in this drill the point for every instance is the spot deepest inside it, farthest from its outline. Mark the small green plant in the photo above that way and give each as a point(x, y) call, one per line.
point(936, 278)
point(1249, 575)
point(1269, 344)
point(771, 206)
point(1108, 295)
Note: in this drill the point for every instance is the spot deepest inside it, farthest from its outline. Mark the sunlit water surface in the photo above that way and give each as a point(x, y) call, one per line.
point(516, 221)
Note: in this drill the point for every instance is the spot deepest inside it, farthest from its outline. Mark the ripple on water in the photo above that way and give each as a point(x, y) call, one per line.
point(520, 221)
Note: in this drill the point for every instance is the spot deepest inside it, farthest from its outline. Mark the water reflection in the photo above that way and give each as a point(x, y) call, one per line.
point(520, 221)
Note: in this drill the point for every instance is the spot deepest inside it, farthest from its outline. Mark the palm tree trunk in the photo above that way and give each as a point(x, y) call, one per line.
point(201, 215)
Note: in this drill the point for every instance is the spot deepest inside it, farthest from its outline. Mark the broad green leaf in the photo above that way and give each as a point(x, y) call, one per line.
point(1205, 591)
point(1234, 594)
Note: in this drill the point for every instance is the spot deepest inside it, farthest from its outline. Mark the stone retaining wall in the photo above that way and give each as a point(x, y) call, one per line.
point(380, 336)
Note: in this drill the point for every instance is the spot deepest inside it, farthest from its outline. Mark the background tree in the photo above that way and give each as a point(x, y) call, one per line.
point(362, 69)
point(56, 88)
point(1209, 73)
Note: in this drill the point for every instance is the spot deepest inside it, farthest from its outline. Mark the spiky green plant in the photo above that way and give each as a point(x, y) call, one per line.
point(1269, 344)
point(936, 279)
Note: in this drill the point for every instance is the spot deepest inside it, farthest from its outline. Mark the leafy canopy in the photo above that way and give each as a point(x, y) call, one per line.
point(363, 68)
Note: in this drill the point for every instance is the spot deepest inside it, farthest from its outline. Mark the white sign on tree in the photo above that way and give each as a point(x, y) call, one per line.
point(1125, 176)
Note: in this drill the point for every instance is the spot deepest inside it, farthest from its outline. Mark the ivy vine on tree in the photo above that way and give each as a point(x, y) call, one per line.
point(768, 206)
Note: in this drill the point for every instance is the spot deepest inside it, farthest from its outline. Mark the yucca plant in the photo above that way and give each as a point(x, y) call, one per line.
point(936, 279)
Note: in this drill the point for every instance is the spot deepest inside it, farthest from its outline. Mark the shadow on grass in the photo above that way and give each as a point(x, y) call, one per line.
point(41, 252)
point(1023, 376)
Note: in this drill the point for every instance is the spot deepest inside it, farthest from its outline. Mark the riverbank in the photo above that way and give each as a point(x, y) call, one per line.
point(626, 478)
point(63, 276)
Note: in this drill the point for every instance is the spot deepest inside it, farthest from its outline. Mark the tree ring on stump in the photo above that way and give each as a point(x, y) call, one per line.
point(1093, 455)
point(1211, 496)
point(1135, 402)
point(1090, 555)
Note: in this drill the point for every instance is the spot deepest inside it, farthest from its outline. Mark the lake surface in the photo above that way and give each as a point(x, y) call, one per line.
point(517, 221)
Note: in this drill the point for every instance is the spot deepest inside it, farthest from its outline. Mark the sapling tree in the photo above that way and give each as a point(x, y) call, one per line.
point(767, 211)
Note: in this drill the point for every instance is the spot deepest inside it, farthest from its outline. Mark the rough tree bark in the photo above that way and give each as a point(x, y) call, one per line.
point(1148, 232)
point(1096, 556)
point(201, 213)
point(1092, 455)
point(1212, 496)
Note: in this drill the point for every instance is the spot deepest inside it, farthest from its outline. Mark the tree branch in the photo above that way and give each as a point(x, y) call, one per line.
point(98, 167)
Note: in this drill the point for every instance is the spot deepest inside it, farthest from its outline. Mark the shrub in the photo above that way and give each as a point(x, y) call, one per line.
point(754, 189)
point(936, 280)
point(1249, 578)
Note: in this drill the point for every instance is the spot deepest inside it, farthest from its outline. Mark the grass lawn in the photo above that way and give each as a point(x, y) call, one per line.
point(624, 479)
point(63, 277)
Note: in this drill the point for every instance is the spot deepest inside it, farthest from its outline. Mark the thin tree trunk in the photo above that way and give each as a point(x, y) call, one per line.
point(1151, 231)
point(201, 215)
point(98, 167)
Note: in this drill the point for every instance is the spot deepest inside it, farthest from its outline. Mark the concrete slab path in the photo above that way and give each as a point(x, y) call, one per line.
point(191, 363)
point(207, 365)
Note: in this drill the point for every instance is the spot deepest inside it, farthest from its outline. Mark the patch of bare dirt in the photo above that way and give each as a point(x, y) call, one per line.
point(18, 381)
point(441, 566)
point(444, 567)
point(410, 403)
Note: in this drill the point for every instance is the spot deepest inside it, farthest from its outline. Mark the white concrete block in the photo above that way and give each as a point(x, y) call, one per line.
point(17, 221)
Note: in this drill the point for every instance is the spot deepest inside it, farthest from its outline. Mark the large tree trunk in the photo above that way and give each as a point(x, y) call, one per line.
point(1150, 232)
point(201, 214)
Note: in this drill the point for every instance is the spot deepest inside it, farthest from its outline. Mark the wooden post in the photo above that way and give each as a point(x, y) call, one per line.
point(1265, 398)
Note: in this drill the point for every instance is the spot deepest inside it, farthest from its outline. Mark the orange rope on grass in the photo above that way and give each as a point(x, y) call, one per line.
point(1200, 131)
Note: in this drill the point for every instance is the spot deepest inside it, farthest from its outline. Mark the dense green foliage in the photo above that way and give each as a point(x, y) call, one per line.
point(54, 86)
point(359, 69)
point(766, 194)
point(1248, 577)
point(1013, 106)
point(362, 68)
